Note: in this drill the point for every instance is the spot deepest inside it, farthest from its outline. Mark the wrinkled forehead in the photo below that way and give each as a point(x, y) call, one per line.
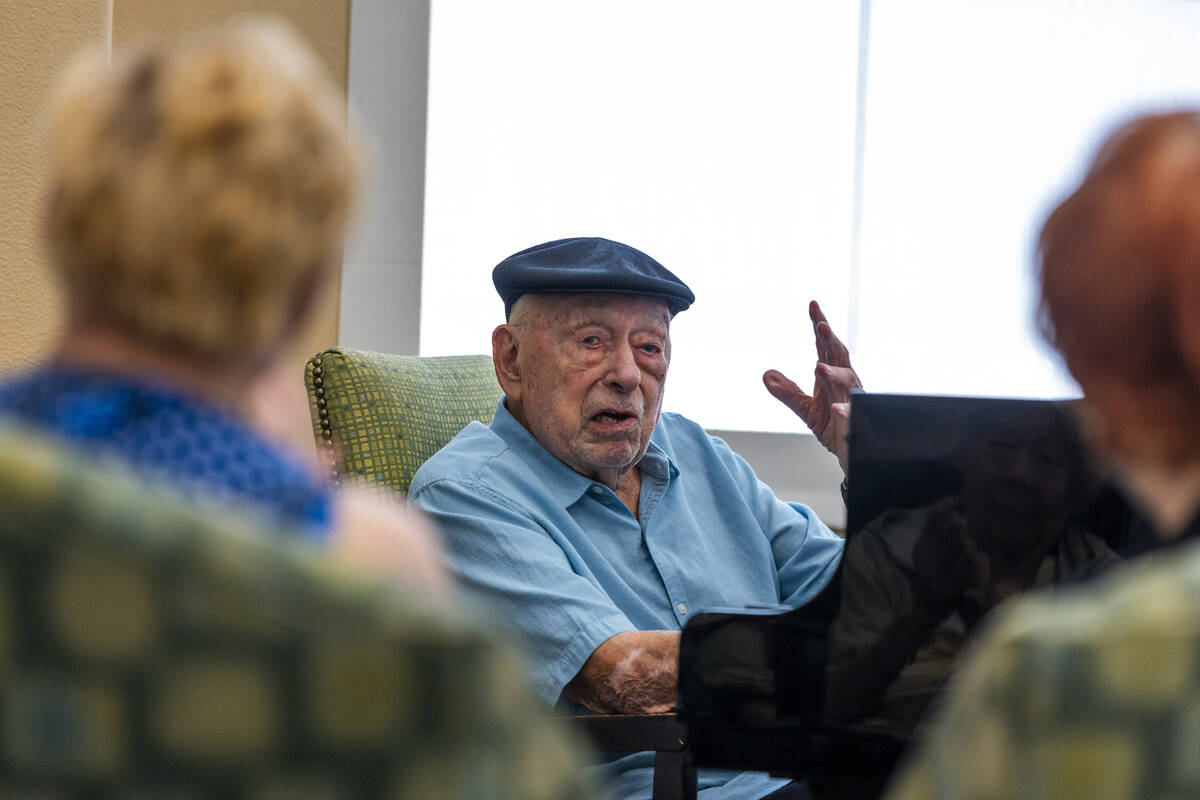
point(574, 310)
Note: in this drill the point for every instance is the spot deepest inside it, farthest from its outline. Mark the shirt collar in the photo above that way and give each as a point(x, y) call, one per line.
point(564, 483)
point(657, 462)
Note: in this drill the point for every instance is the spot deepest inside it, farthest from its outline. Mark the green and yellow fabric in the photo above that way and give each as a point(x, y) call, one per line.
point(152, 650)
point(378, 417)
point(1090, 694)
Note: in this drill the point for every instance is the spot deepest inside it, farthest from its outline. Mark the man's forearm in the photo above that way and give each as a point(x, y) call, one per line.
point(634, 672)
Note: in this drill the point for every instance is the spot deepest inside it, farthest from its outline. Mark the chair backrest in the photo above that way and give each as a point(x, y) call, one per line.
point(151, 649)
point(379, 417)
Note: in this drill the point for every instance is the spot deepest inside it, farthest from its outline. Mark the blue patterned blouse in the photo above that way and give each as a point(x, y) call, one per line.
point(171, 439)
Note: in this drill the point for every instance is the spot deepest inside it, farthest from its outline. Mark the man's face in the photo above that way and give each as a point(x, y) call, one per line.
point(592, 368)
point(1018, 478)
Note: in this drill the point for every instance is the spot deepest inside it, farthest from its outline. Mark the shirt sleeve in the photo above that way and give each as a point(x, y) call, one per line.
point(806, 551)
point(514, 568)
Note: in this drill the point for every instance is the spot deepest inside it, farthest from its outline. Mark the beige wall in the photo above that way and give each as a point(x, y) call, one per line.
point(325, 24)
point(37, 38)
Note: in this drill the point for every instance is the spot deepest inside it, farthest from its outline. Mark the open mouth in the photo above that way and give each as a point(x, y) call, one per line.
point(612, 417)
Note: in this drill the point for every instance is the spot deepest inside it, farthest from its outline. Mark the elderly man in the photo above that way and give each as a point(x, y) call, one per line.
point(598, 525)
point(1095, 694)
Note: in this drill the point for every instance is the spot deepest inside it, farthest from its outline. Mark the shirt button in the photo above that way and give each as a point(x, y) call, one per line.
point(682, 608)
point(597, 489)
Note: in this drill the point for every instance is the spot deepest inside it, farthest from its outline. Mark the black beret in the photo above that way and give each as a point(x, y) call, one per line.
point(588, 264)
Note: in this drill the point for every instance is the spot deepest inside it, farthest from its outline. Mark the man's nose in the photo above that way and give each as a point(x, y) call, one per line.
point(623, 370)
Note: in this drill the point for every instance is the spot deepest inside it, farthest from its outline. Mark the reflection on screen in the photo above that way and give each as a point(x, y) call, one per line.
point(957, 505)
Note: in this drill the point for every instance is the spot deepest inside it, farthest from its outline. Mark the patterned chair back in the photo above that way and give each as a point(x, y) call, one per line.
point(151, 649)
point(379, 417)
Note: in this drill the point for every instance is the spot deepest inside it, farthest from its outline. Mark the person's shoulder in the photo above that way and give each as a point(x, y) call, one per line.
point(678, 423)
point(1150, 602)
point(896, 531)
point(21, 392)
point(675, 430)
point(464, 458)
point(1089, 675)
point(15, 382)
point(686, 442)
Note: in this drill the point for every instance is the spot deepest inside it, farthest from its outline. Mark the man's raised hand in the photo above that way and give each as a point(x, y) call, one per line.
point(827, 410)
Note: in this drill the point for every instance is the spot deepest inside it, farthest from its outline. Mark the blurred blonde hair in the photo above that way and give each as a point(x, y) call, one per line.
point(202, 187)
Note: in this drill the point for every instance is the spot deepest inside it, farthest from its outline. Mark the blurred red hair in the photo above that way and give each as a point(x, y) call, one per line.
point(1120, 277)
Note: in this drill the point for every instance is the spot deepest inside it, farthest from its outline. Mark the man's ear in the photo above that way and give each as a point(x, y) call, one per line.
point(505, 358)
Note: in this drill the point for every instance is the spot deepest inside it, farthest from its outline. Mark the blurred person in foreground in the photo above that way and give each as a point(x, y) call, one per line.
point(158, 648)
point(1093, 693)
point(201, 191)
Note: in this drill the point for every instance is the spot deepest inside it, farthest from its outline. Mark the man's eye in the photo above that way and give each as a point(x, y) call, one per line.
point(652, 349)
point(590, 340)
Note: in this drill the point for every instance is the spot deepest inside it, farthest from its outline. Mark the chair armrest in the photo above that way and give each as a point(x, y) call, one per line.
point(666, 734)
point(632, 732)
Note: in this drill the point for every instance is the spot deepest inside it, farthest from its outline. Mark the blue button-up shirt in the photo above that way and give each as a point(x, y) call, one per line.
point(561, 559)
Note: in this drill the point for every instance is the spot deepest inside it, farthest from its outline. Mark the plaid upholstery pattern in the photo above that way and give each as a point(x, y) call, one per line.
point(150, 650)
point(1085, 695)
point(379, 417)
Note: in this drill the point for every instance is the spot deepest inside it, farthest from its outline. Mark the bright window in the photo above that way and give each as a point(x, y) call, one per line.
point(979, 116)
point(742, 146)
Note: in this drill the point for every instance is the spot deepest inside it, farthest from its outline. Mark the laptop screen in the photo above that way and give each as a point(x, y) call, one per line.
point(955, 506)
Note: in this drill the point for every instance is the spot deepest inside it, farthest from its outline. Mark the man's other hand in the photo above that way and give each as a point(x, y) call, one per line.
point(827, 410)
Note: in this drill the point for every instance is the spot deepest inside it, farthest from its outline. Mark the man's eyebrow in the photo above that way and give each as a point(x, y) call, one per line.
point(581, 321)
point(660, 325)
point(658, 328)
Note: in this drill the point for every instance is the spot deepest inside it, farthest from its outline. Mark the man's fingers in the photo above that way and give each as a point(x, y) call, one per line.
point(821, 331)
point(785, 390)
point(816, 314)
point(836, 383)
point(830, 348)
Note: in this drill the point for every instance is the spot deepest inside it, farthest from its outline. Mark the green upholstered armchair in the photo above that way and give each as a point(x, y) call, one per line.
point(151, 649)
point(378, 417)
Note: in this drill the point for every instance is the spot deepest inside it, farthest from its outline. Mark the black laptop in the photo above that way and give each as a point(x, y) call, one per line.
point(956, 505)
